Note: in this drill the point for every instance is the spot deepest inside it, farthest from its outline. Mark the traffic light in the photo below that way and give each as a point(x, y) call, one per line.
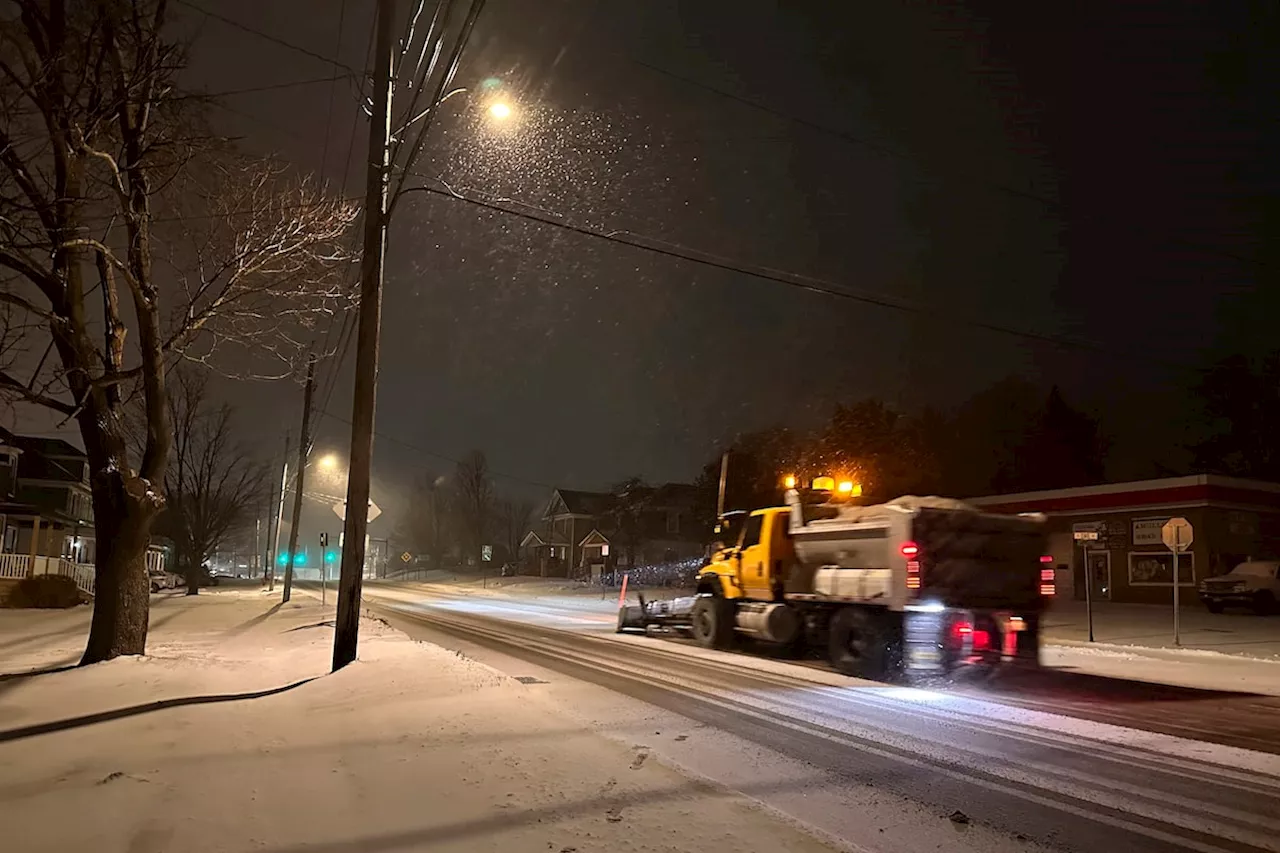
point(331, 556)
point(324, 539)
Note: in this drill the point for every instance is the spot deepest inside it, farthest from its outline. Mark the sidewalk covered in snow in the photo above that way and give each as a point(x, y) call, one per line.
point(230, 735)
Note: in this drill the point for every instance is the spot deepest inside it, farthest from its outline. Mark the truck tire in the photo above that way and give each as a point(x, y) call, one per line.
point(712, 620)
point(858, 645)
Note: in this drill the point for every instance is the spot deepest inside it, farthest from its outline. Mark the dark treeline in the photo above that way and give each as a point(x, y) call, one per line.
point(1011, 437)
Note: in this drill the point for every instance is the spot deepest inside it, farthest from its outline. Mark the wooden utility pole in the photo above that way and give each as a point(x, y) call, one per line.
point(724, 478)
point(279, 518)
point(304, 445)
point(372, 260)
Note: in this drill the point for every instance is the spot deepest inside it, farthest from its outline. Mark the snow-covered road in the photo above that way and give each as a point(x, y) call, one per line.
point(1014, 765)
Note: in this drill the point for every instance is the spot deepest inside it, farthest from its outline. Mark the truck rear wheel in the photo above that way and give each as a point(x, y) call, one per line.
point(858, 644)
point(712, 620)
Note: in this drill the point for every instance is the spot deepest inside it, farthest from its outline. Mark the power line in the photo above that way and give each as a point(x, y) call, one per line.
point(348, 321)
point(269, 87)
point(802, 282)
point(328, 119)
point(276, 40)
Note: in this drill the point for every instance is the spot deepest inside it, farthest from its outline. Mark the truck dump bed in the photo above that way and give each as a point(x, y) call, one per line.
point(962, 555)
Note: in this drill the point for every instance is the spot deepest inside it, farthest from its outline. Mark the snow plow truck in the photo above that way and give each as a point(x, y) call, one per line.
point(917, 586)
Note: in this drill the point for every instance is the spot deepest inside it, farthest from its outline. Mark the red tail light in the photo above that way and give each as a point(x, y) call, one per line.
point(909, 549)
point(1047, 582)
point(1047, 558)
point(913, 574)
point(980, 640)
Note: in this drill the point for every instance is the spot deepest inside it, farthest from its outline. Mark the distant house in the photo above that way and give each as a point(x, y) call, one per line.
point(553, 548)
point(585, 534)
point(46, 511)
point(47, 498)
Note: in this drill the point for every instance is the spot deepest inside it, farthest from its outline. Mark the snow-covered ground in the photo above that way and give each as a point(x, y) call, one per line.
point(1197, 668)
point(230, 735)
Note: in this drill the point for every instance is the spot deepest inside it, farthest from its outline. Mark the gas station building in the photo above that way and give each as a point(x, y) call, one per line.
point(1233, 520)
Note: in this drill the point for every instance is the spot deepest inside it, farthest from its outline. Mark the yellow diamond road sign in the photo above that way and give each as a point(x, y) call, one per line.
point(406, 557)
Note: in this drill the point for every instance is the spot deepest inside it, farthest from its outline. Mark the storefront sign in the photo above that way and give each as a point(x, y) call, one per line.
point(1146, 531)
point(1090, 534)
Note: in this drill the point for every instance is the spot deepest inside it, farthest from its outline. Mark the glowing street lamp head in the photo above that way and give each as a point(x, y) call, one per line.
point(329, 461)
point(500, 111)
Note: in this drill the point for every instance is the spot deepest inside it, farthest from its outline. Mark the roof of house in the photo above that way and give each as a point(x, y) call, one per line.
point(41, 445)
point(1199, 489)
point(586, 503)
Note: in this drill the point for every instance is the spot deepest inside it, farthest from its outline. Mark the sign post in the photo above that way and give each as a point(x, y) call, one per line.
point(1177, 535)
point(1084, 537)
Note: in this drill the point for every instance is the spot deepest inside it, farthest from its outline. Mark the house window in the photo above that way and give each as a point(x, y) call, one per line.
point(673, 522)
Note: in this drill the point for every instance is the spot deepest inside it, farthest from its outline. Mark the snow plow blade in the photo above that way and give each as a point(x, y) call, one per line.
point(672, 613)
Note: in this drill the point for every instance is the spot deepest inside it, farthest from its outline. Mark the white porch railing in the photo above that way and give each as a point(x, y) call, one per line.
point(15, 565)
point(82, 573)
point(22, 565)
point(18, 566)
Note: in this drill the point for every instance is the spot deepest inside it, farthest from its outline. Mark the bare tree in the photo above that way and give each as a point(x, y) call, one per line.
point(473, 502)
point(98, 152)
point(633, 497)
point(426, 526)
point(512, 520)
point(214, 484)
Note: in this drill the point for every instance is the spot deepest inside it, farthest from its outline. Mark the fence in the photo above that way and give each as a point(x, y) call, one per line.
point(15, 565)
point(23, 565)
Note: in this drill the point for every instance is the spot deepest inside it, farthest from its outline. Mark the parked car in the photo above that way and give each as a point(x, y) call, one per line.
point(164, 580)
point(1254, 584)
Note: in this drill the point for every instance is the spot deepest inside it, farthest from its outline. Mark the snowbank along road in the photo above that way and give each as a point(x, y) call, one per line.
point(1061, 780)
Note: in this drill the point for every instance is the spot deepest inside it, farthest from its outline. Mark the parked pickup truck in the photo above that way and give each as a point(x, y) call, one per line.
point(1255, 584)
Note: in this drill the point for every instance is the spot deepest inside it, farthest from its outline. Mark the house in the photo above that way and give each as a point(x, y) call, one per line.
point(1233, 520)
point(587, 534)
point(553, 548)
point(46, 511)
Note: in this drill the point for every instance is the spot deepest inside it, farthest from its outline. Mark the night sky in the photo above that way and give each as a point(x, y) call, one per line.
point(1093, 172)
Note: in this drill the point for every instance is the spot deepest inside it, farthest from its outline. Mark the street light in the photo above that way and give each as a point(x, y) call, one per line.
point(500, 110)
point(329, 461)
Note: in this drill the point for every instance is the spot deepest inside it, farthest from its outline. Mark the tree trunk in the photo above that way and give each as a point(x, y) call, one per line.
point(193, 580)
point(123, 514)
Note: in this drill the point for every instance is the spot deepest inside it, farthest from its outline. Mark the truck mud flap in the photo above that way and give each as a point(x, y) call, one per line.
point(922, 651)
